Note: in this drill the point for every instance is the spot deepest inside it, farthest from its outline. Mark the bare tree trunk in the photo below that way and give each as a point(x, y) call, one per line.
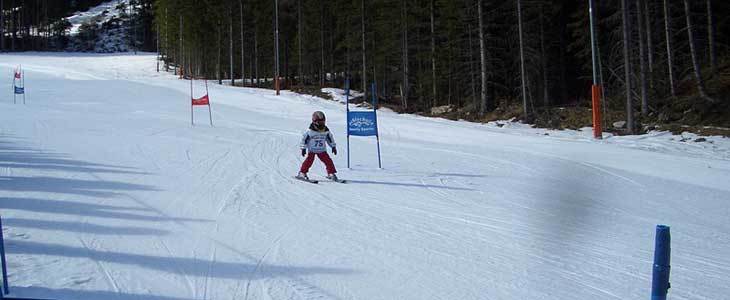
point(667, 31)
point(243, 60)
point(48, 26)
point(522, 59)
point(13, 26)
point(157, 41)
point(181, 59)
point(333, 31)
point(649, 43)
point(2, 27)
point(332, 50)
point(167, 44)
point(711, 37)
point(693, 52)
point(364, 65)
point(133, 20)
point(405, 87)
point(251, 66)
point(321, 45)
point(256, 56)
point(276, 46)
point(450, 81)
point(482, 52)
point(375, 70)
point(284, 74)
point(419, 60)
point(627, 65)
point(230, 48)
point(218, 60)
point(348, 59)
point(642, 62)
point(300, 79)
point(563, 50)
point(471, 66)
point(545, 87)
point(129, 27)
point(433, 54)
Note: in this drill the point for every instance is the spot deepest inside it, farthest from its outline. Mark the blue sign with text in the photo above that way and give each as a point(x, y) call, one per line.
point(19, 90)
point(362, 123)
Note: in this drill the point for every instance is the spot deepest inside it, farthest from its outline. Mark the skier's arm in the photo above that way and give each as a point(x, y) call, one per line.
point(331, 140)
point(304, 141)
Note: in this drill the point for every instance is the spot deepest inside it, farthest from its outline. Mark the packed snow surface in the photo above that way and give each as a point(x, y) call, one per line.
point(108, 192)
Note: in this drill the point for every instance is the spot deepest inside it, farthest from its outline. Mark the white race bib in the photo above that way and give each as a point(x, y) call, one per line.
point(318, 144)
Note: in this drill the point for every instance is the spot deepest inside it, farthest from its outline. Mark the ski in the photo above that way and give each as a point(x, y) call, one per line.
point(306, 180)
point(335, 179)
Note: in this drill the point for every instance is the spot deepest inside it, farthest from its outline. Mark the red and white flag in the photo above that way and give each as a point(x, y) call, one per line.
point(17, 74)
point(202, 100)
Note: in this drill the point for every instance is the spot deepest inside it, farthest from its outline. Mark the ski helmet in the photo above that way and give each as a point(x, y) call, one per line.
point(318, 116)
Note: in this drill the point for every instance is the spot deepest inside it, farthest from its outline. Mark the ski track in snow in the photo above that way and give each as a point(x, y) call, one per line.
point(190, 284)
point(109, 278)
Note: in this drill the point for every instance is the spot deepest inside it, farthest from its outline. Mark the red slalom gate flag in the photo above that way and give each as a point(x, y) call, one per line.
point(201, 101)
point(17, 75)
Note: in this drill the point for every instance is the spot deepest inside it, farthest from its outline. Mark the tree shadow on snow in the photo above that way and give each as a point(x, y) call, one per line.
point(178, 265)
point(12, 156)
point(86, 209)
point(26, 158)
point(81, 227)
point(92, 188)
point(68, 294)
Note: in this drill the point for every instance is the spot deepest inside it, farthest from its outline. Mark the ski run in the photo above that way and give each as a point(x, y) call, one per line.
point(108, 192)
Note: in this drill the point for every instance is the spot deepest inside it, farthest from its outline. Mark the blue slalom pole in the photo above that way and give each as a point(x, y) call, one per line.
point(377, 134)
point(660, 277)
point(15, 94)
point(6, 290)
point(347, 117)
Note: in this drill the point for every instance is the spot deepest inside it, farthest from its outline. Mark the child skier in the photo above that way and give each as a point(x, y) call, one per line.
point(315, 140)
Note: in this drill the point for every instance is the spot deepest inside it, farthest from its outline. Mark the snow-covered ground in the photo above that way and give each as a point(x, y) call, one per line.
point(108, 192)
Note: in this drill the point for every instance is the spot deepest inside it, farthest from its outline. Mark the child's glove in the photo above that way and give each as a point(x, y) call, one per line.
point(334, 151)
point(304, 152)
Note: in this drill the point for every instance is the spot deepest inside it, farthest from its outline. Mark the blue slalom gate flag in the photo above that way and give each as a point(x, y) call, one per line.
point(362, 123)
point(19, 90)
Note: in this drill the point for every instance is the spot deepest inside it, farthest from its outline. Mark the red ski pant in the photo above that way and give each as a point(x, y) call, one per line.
point(324, 157)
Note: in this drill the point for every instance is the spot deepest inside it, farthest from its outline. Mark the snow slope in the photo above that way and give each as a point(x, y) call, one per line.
point(108, 192)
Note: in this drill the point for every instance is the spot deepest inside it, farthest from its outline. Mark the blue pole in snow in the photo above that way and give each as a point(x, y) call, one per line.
point(660, 278)
point(377, 134)
point(14, 94)
point(347, 116)
point(23, 78)
point(6, 290)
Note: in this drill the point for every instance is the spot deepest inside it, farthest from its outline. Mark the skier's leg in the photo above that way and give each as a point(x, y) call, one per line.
point(307, 163)
point(325, 158)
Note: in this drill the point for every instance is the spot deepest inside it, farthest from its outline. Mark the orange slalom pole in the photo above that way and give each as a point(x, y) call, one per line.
point(276, 83)
point(596, 95)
